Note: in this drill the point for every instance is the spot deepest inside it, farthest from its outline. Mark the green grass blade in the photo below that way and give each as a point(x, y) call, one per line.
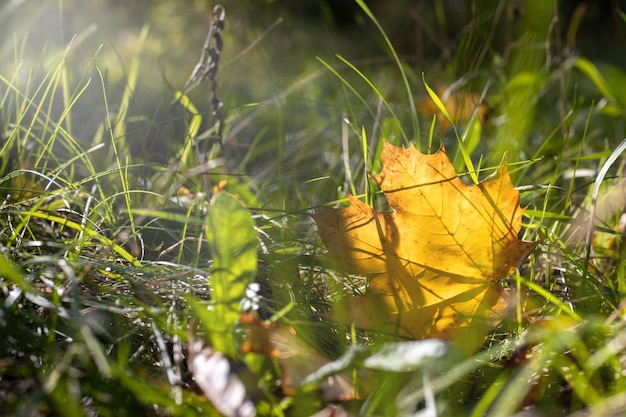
point(549, 297)
point(407, 86)
point(375, 89)
point(591, 71)
point(106, 242)
point(464, 152)
point(193, 128)
point(594, 199)
point(13, 273)
point(119, 125)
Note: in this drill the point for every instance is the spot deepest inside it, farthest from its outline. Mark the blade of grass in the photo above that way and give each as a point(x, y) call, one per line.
point(466, 156)
point(87, 231)
point(350, 87)
point(590, 70)
point(549, 297)
point(186, 153)
point(407, 86)
point(594, 200)
point(376, 90)
point(119, 125)
point(13, 273)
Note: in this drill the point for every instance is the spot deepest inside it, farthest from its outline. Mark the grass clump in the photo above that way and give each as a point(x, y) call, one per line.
point(137, 248)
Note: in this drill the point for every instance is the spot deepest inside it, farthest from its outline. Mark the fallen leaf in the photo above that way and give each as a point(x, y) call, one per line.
point(332, 410)
point(434, 262)
point(295, 358)
point(459, 104)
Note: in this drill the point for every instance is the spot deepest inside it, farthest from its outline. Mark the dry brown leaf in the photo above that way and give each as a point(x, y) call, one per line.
point(434, 263)
point(460, 106)
point(296, 359)
point(227, 385)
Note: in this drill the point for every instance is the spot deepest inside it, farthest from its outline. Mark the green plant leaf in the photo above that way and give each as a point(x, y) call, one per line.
point(233, 244)
point(408, 356)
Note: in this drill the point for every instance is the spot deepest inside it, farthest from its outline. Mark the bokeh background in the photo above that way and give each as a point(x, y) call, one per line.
point(285, 108)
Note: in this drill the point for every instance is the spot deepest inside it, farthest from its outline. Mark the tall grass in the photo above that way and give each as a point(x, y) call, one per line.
point(111, 266)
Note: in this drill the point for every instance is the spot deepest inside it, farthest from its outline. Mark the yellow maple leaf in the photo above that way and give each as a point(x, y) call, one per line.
point(434, 262)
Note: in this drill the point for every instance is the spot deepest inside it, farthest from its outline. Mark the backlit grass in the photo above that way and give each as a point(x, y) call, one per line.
point(112, 244)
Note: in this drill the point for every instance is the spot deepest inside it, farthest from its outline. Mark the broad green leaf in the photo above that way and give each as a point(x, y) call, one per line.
point(408, 356)
point(233, 244)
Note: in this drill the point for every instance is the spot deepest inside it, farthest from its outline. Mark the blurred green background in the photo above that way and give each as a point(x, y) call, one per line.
point(286, 110)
